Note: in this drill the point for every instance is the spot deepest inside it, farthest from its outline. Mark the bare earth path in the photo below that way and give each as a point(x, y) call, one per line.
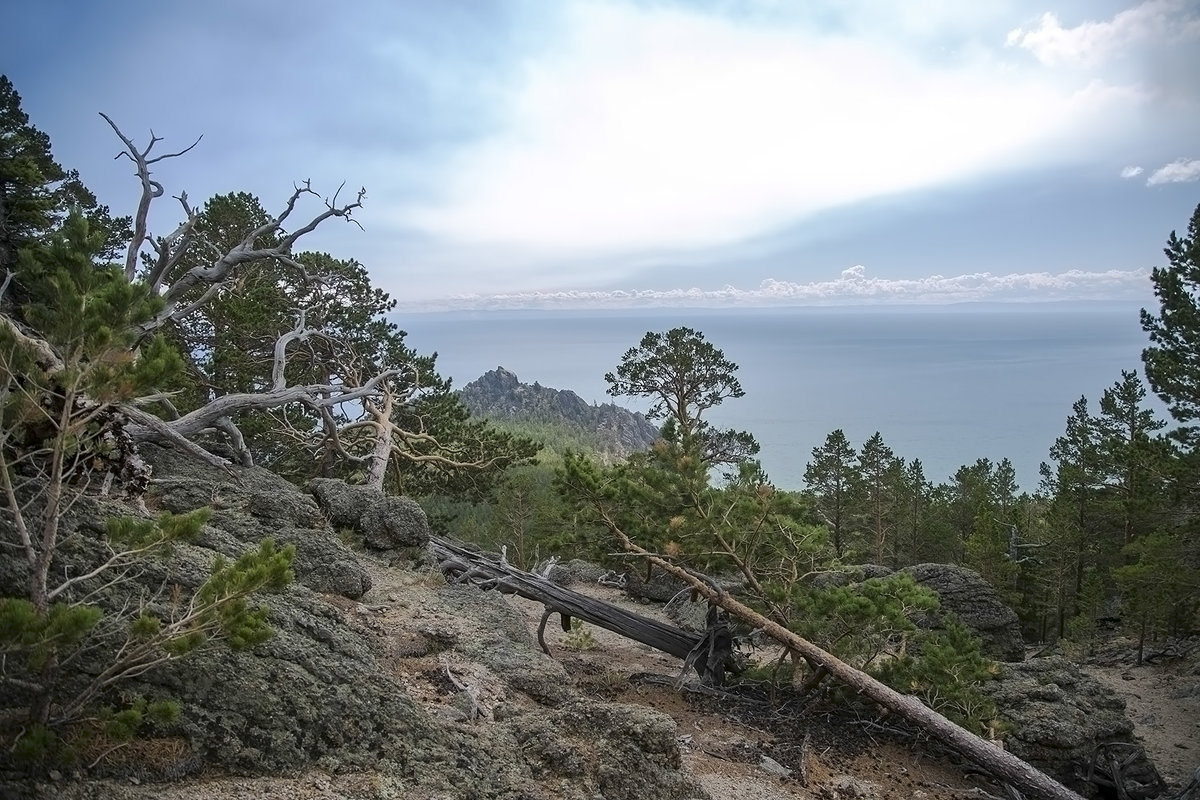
point(1164, 703)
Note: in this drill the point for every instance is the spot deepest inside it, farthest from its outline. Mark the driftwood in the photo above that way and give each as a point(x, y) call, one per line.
point(710, 653)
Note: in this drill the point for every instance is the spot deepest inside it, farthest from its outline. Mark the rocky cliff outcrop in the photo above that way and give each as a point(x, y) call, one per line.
point(966, 595)
point(962, 593)
point(327, 691)
point(614, 431)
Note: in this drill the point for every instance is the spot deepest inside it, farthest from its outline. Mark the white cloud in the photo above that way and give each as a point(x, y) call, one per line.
point(1179, 171)
point(654, 127)
point(1131, 172)
point(853, 287)
point(857, 272)
point(1091, 42)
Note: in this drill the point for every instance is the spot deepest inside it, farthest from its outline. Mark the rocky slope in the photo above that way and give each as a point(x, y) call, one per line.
point(613, 431)
point(383, 682)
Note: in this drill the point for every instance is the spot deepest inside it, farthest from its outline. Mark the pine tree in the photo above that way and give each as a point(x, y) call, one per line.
point(1075, 484)
point(685, 375)
point(830, 476)
point(1172, 361)
point(879, 475)
point(36, 193)
point(63, 435)
point(1135, 457)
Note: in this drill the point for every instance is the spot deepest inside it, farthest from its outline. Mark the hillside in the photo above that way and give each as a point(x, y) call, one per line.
point(611, 431)
point(382, 681)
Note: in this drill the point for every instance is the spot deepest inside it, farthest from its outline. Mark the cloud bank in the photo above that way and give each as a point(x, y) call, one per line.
point(1179, 171)
point(655, 125)
point(852, 287)
point(1093, 42)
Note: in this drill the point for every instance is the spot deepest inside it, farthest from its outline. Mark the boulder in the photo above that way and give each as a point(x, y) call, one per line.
point(393, 522)
point(662, 587)
point(977, 605)
point(251, 504)
point(575, 571)
point(342, 503)
point(1059, 715)
point(615, 751)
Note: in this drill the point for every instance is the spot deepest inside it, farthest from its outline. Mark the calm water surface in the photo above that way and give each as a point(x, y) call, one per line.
point(944, 386)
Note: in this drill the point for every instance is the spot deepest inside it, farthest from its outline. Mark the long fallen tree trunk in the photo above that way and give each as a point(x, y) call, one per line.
point(463, 565)
point(995, 761)
point(708, 653)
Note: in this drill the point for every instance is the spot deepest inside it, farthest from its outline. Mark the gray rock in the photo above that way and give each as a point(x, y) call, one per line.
point(342, 503)
point(251, 505)
point(385, 522)
point(1058, 716)
point(312, 695)
point(963, 593)
point(616, 751)
point(394, 522)
point(662, 587)
point(686, 613)
point(493, 633)
point(574, 571)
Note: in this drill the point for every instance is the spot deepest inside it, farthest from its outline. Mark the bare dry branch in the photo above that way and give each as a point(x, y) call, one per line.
point(150, 188)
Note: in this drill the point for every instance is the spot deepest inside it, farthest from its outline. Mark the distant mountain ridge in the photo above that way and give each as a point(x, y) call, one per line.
point(614, 432)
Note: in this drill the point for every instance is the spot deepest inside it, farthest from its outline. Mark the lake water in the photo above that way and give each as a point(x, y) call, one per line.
point(946, 386)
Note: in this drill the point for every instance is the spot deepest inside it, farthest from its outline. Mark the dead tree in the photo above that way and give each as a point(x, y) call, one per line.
point(709, 654)
point(998, 762)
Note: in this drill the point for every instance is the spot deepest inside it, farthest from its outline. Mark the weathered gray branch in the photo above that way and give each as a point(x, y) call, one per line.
point(314, 397)
point(150, 188)
point(170, 249)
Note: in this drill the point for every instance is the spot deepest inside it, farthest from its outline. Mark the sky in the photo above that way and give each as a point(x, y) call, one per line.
point(611, 153)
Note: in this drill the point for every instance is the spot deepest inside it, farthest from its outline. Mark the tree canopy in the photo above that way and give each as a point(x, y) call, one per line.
point(685, 375)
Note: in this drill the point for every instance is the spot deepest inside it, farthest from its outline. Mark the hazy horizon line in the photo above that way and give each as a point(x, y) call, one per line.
point(852, 288)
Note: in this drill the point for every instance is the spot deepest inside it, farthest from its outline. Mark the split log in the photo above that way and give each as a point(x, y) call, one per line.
point(709, 653)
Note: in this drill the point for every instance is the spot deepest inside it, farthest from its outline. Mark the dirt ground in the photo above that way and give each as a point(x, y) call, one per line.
point(1163, 701)
point(739, 748)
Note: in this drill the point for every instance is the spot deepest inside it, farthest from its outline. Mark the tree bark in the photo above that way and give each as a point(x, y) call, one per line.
point(462, 565)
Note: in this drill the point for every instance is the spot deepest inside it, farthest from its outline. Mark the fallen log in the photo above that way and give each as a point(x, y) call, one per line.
point(710, 653)
point(997, 762)
point(463, 565)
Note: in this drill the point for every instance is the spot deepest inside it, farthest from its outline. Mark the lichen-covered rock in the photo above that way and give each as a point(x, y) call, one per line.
point(963, 593)
point(312, 695)
point(342, 503)
point(662, 587)
point(394, 522)
point(1058, 715)
point(691, 615)
point(616, 751)
point(490, 631)
point(574, 571)
point(251, 504)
